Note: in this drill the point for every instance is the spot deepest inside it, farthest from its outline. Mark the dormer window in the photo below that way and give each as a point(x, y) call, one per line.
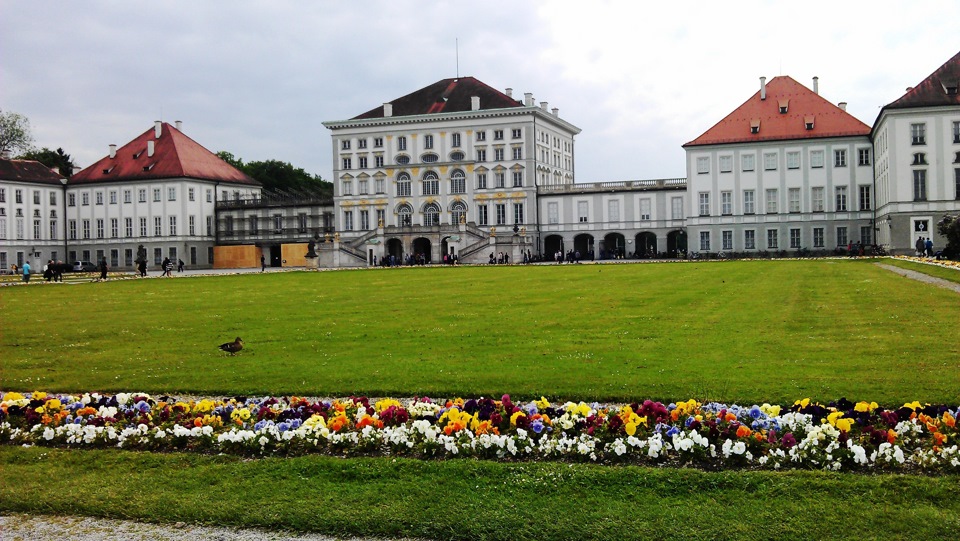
point(808, 122)
point(950, 87)
point(755, 125)
point(919, 158)
point(108, 169)
point(784, 104)
point(149, 167)
point(137, 155)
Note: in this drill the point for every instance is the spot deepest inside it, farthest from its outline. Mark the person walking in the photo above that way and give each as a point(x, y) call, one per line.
point(26, 271)
point(103, 269)
point(929, 247)
point(921, 246)
point(179, 265)
point(263, 264)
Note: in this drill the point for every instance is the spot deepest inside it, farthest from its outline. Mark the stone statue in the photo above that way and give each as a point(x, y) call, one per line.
point(311, 248)
point(141, 254)
point(336, 237)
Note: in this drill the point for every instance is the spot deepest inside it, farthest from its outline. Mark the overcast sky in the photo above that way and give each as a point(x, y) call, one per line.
point(257, 78)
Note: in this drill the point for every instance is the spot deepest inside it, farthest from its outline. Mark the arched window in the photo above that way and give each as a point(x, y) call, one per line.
point(404, 213)
point(431, 214)
point(431, 184)
point(458, 182)
point(403, 185)
point(458, 211)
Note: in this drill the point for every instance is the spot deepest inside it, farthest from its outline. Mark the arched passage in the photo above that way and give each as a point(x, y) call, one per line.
point(583, 243)
point(551, 245)
point(421, 246)
point(646, 244)
point(614, 246)
point(395, 249)
point(676, 241)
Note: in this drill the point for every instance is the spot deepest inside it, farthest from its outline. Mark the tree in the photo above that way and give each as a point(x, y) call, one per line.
point(278, 176)
point(51, 158)
point(949, 227)
point(15, 132)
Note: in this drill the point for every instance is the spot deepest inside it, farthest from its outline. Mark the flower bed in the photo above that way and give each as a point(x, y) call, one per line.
point(837, 436)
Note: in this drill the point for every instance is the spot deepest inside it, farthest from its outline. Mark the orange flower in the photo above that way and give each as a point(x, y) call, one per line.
point(759, 436)
point(729, 417)
point(743, 431)
point(949, 420)
point(891, 436)
point(198, 421)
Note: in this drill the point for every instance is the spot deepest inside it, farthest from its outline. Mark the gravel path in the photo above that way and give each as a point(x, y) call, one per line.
point(17, 527)
point(921, 277)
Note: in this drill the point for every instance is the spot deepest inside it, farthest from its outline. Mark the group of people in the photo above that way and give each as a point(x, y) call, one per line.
point(53, 271)
point(924, 247)
point(500, 258)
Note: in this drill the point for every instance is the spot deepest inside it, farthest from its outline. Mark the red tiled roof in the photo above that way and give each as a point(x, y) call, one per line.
point(175, 156)
point(446, 96)
point(29, 171)
point(933, 91)
point(802, 105)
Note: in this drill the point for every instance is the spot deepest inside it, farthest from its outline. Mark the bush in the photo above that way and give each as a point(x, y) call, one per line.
point(949, 227)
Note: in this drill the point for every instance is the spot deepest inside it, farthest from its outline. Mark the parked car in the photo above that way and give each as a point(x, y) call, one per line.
point(83, 266)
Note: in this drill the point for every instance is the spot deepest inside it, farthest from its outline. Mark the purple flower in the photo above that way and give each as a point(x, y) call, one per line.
point(537, 426)
point(755, 412)
point(788, 440)
point(673, 431)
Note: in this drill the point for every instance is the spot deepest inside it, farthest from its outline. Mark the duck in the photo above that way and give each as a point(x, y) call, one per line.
point(232, 347)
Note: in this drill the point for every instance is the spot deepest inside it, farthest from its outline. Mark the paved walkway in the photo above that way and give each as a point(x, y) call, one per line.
point(921, 277)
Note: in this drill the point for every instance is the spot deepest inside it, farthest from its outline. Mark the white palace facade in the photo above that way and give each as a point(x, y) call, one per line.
point(460, 168)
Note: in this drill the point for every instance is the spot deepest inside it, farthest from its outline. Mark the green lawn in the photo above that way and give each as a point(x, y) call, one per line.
point(749, 331)
point(752, 331)
point(951, 275)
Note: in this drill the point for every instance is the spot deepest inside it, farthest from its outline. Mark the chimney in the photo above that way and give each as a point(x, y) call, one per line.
point(543, 106)
point(816, 85)
point(179, 126)
point(509, 92)
point(528, 98)
point(842, 105)
point(387, 109)
point(763, 88)
point(474, 103)
point(113, 151)
point(156, 128)
point(149, 149)
point(555, 111)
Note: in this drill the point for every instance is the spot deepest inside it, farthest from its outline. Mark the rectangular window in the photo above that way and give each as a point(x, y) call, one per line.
point(818, 237)
point(773, 236)
point(726, 203)
point(458, 184)
point(772, 201)
point(500, 179)
point(401, 143)
point(518, 213)
point(645, 209)
point(613, 210)
point(840, 158)
point(501, 213)
point(865, 201)
point(36, 229)
point(727, 240)
point(956, 184)
point(516, 133)
point(84, 199)
point(378, 142)
point(841, 198)
point(750, 239)
point(278, 223)
point(676, 208)
point(53, 198)
point(816, 158)
point(252, 225)
point(498, 154)
point(347, 187)
point(481, 136)
point(53, 230)
point(381, 217)
point(403, 187)
point(364, 221)
point(99, 228)
point(99, 198)
point(347, 163)
point(345, 145)
point(483, 217)
point(173, 226)
point(920, 185)
point(363, 184)
point(956, 132)
point(114, 228)
point(918, 134)
point(128, 257)
point(171, 194)
point(481, 181)
point(553, 213)
point(793, 160)
point(348, 220)
point(866, 235)
point(481, 155)
point(209, 227)
point(795, 238)
point(793, 199)
point(498, 135)
point(704, 200)
point(128, 227)
point(157, 226)
point(3, 196)
point(770, 161)
point(703, 165)
point(71, 199)
point(841, 236)
point(863, 156)
point(209, 196)
point(362, 162)
point(517, 153)
point(113, 197)
point(747, 162)
point(582, 211)
point(455, 140)
point(427, 141)
point(704, 241)
point(378, 161)
point(86, 229)
point(156, 195)
point(431, 187)
point(817, 199)
point(518, 179)
point(749, 202)
point(361, 143)
point(143, 227)
point(127, 196)
point(157, 256)
point(726, 164)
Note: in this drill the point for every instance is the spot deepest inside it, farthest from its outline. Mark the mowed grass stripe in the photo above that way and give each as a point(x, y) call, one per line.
point(749, 331)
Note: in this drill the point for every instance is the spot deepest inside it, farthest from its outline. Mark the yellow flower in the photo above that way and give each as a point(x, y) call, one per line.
point(865, 407)
point(10, 397)
point(542, 404)
point(772, 411)
point(844, 424)
point(630, 428)
point(913, 405)
point(53, 404)
point(384, 404)
point(802, 403)
point(38, 395)
point(515, 416)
